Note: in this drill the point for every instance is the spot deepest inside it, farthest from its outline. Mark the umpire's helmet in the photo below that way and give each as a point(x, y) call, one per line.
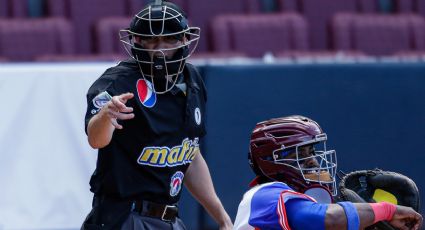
point(160, 19)
point(276, 153)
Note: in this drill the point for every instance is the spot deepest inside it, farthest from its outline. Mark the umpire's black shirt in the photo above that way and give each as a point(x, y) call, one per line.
point(148, 158)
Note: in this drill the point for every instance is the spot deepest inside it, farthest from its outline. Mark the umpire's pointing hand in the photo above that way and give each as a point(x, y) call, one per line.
point(117, 110)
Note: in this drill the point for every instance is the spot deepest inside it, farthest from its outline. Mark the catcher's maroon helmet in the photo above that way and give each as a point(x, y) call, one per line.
point(276, 153)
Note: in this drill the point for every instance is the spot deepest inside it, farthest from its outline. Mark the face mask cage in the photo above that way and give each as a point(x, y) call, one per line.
point(150, 60)
point(312, 160)
point(126, 37)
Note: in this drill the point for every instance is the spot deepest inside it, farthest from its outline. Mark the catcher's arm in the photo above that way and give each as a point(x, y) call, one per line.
point(406, 218)
point(402, 217)
point(336, 217)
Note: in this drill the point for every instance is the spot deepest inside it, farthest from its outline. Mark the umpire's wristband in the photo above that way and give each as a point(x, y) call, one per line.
point(353, 220)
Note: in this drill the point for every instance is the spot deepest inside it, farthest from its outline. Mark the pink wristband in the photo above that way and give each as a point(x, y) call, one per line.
point(383, 211)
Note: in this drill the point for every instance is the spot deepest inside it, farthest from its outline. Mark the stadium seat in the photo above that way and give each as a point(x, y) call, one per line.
point(23, 40)
point(13, 8)
point(420, 7)
point(417, 30)
point(57, 8)
point(378, 35)
point(404, 6)
point(319, 14)
point(135, 6)
point(4, 13)
point(385, 6)
point(183, 4)
point(80, 58)
point(368, 6)
point(107, 34)
point(288, 5)
point(19, 8)
point(202, 12)
point(255, 35)
point(84, 14)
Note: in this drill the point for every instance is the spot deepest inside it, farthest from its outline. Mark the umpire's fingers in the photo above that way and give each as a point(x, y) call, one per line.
point(120, 116)
point(115, 123)
point(125, 97)
point(119, 102)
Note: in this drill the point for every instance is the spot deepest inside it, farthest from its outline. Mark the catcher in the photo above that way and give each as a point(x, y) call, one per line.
point(295, 185)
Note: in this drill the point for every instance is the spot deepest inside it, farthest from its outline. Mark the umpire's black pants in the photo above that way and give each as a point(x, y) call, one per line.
point(112, 215)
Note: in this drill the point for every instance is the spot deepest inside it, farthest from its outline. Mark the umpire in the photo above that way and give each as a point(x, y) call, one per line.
point(146, 117)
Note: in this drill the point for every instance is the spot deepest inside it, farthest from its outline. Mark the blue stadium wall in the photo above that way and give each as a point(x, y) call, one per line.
point(374, 115)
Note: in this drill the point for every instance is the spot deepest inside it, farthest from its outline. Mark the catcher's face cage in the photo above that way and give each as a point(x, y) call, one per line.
point(154, 63)
point(322, 172)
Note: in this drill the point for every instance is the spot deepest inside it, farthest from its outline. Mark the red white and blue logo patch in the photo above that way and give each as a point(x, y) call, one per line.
point(176, 183)
point(101, 99)
point(146, 95)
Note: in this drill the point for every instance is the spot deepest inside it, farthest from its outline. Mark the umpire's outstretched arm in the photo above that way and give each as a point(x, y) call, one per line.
point(102, 125)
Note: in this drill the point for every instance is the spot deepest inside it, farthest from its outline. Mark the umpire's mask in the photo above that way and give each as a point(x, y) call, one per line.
point(161, 22)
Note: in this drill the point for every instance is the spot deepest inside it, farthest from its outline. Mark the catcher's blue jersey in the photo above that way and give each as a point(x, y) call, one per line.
point(275, 205)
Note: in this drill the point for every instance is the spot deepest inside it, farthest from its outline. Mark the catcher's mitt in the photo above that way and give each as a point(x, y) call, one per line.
point(377, 185)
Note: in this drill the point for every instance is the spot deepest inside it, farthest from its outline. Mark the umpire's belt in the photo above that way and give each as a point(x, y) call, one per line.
point(143, 207)
point(161, 211)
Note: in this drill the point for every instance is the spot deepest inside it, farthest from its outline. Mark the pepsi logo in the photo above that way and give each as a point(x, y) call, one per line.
point(145, 93)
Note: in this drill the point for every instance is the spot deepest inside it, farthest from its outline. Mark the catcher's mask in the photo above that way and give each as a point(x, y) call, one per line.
point(167, 21)
point(293, 150)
